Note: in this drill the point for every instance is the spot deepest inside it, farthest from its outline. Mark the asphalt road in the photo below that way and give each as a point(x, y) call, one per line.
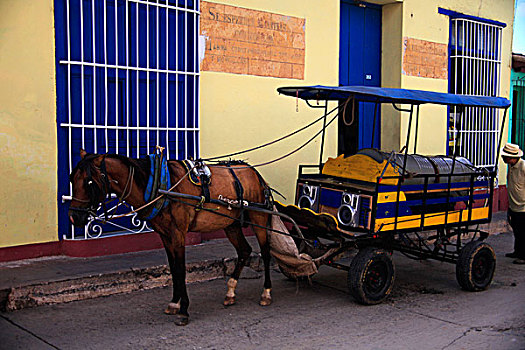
point(427, 310)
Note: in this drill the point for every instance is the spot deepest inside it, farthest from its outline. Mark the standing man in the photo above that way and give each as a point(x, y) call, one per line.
point(511, 155)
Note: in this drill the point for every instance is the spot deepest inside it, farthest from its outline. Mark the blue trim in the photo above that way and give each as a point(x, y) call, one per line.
point(387, 210)
point(455, 14)
point(431, 186)
point(390, 95)
point(61, 105)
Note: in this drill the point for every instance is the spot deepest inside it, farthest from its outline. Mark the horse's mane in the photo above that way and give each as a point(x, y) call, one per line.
point(84, 164)
point(232, 162)
point(142, 166)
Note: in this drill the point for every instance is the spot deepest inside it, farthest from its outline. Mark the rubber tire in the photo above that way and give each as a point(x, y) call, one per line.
point(360, 269)
point(475, 266)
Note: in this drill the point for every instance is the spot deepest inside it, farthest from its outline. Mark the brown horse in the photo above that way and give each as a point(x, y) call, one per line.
point(96, 176)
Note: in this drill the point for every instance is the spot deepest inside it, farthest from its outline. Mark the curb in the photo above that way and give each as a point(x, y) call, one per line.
point(134, 279)
point(118, 282)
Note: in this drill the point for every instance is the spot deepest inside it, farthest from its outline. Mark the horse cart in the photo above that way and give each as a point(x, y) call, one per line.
point(375, 202)
point(370, 202)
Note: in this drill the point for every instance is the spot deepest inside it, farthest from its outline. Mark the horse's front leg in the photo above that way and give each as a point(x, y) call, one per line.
point(179, 277)
point(180, 301)
point(174, 305)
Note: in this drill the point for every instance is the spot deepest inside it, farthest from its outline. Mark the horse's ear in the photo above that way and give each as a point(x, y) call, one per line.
point(82, 153)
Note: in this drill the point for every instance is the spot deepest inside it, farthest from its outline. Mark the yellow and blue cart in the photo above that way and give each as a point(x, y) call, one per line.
point(426, 207)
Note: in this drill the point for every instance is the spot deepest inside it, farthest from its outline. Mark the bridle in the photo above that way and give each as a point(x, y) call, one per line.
point(93, 188)
point(96, 190)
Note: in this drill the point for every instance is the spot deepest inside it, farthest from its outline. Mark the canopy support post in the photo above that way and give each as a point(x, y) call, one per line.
point(323, 135)
point(500, 138)
point(417, 128)
point(374, 126)
point(408, 137)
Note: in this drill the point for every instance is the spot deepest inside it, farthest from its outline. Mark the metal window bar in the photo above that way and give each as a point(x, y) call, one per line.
point(127, 110)
point(476, 62)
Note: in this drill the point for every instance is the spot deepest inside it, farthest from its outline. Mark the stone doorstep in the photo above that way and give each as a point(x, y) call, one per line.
point(95, 286)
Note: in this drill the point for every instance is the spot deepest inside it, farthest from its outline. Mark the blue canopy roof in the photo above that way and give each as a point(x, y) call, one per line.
point(390, 95)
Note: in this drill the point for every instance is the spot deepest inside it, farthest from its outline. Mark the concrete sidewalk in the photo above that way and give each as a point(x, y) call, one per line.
point(51, 280)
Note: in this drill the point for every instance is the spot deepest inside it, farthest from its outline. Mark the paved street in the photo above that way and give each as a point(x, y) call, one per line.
point(426, 311)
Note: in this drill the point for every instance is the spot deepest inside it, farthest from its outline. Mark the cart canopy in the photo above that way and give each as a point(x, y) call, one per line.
point(390, 95)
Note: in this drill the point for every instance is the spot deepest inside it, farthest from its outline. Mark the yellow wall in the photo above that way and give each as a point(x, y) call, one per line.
point(28, 166)
point(391, 65)
point(242, 111)
point(421, 20)
point(237, 111)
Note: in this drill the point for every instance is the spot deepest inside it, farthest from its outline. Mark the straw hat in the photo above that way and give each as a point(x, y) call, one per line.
point(511, 150)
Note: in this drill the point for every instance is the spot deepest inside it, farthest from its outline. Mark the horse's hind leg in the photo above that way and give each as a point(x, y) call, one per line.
point(261, 220)
point(237, 239)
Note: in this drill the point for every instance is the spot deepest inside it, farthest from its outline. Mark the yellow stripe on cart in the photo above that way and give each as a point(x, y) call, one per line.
point(431, 219)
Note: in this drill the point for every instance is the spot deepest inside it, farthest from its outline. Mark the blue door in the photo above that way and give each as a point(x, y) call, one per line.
point(359, 64)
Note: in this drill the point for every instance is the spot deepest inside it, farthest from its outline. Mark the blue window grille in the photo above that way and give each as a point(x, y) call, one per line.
point(474, 69)
point(127, 80)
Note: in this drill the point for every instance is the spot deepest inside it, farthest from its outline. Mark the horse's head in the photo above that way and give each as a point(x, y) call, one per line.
point(90, 187)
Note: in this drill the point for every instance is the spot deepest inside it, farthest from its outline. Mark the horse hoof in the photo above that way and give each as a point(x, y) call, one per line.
point(182, 320)
point(172, 309)
point(228, 301)
point(265, 301)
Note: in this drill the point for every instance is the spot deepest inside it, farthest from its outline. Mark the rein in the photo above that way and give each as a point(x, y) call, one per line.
point(150, 202)
point(282, 138)
point(287, 154)
point(276, 140)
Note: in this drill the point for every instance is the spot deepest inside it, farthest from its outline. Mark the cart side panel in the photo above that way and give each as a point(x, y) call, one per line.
point(453, 202)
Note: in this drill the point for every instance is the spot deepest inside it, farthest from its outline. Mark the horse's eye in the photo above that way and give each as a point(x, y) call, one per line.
point(90, 182)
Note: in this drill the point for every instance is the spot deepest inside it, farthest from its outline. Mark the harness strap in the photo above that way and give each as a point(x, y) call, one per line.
point(104, 176)
point(200, 205)
point(199, 175)
point(205, 179)
point(268, 199)
point(240, 193)
point(205, 189)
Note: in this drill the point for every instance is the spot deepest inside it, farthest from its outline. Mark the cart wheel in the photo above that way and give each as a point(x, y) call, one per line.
point(371, 276)
point(475, 266)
